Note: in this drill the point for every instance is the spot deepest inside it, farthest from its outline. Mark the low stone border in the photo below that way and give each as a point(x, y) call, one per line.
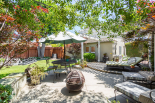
point(17, 82)
point(106, 71)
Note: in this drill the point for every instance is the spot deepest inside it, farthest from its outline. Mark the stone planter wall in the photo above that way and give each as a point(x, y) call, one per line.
point(17, 81)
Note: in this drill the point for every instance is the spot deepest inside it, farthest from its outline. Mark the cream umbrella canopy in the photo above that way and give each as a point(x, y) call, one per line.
point(63, 37)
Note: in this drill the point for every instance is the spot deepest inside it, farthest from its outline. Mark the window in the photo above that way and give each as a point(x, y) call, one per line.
point(87, 49)
point(92, 49)
point(120, 50)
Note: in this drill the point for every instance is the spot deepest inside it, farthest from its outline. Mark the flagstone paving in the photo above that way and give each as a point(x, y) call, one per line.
point(98, 88)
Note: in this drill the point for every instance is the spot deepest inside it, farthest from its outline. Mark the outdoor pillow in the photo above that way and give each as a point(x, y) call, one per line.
point(149, 75)
point(145, 97)
point(125, 58)
point(131, 61)
point(138, 59)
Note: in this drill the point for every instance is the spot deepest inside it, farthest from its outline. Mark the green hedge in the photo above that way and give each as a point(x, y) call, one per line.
point(89, 56)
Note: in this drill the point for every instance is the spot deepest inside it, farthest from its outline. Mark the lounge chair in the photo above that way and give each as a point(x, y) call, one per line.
point(148, 76)
point(133, 60)
point(138, 93)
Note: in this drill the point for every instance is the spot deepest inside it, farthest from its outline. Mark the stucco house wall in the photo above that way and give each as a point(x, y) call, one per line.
point(120, 47)
point(91, 45)
point(106, 47)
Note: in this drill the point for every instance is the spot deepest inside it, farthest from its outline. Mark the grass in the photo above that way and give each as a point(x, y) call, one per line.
point(21, 68)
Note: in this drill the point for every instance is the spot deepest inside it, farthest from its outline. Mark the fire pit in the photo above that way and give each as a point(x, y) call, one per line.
point(75, 81)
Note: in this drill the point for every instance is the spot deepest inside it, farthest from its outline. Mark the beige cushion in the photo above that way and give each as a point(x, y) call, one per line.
point(149, 75)
point(145, 97)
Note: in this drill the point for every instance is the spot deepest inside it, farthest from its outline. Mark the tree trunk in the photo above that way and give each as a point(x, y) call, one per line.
point(42, 50)
point(38, 48)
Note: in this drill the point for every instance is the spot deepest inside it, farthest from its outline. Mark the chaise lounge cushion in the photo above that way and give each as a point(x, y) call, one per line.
point(133, 60)
point(145, 97)
point(130, 89)
point(149, 75)
point(113, 63)
point(133, 76)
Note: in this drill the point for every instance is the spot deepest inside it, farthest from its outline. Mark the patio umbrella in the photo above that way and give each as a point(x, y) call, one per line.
point(63, 37)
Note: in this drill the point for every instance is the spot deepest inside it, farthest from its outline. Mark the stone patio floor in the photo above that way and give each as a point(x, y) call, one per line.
point(98, 88)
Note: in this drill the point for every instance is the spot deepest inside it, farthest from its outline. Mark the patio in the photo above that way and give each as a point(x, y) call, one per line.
point(98, 88)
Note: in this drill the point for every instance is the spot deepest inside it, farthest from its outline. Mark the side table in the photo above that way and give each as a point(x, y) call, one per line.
point(105, 59)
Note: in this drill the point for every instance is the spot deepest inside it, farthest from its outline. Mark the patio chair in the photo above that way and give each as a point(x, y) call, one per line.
point(147, 76)
point(138, 93)
point(50, 67)
point(133, 60)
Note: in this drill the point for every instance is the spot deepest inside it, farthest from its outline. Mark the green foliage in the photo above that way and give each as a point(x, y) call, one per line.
point(83, 63)
point(2, 60)
point(36, 73)
point(89, 56)
point(152, 61)
point(132, 52)
point(38, 58)
point(5, 93)
point(57, 45)
point(78, 62)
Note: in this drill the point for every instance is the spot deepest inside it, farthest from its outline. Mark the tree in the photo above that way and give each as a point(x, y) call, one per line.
point(15, 35)
point(75, 49)
point(34, 18)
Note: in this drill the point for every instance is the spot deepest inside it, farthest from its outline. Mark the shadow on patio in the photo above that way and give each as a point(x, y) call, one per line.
point(45, 93)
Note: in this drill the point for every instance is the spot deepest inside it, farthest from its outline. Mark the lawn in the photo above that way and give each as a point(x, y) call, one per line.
point(21, 68)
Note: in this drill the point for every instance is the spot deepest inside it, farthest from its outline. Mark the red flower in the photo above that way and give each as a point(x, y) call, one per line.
point(38, 7)
point(18, 6)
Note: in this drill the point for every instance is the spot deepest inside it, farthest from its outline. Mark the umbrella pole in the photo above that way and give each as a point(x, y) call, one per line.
point(64, 50)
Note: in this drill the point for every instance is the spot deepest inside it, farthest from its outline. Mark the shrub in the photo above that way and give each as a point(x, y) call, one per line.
point(89, 56)
point(5, 93)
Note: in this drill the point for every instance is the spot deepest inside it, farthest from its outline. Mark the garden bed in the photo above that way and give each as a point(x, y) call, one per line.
point(17, 82)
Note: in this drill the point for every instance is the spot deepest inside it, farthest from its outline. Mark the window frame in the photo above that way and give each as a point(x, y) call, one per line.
point(91, 49)
point(120, 50)
point(86, 50)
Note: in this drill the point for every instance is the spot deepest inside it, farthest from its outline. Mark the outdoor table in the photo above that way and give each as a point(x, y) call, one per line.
point(62, 61)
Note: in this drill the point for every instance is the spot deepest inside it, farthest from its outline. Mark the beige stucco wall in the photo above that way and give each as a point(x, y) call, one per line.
point(121, 43)
point(106, 47)
point(91, 45)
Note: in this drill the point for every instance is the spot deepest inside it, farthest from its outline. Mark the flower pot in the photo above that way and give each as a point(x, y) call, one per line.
point(82, 65)
point(117, 60)
point(132, 66)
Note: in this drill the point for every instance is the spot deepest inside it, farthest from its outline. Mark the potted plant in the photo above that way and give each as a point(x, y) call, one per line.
point(78, 62)
point(132, 66)
point(105, 54)
point(83, 64)
point(5, 93)
point(36, 73)
point(117, 59)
